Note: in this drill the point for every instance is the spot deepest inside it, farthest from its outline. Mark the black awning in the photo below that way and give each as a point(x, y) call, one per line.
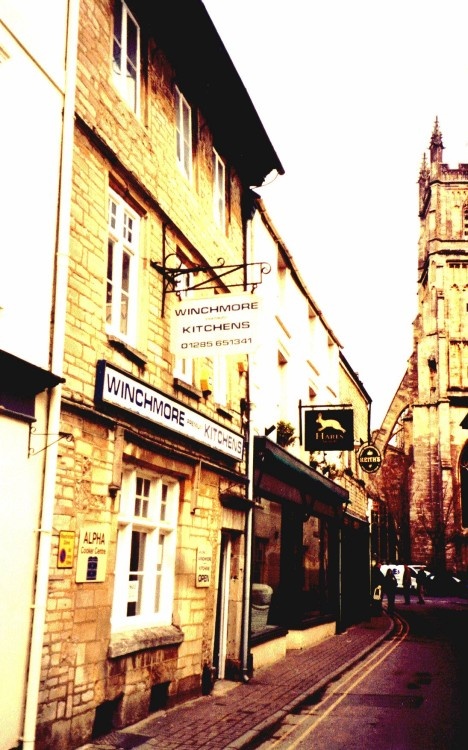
point(280, 476)
point(22, 378)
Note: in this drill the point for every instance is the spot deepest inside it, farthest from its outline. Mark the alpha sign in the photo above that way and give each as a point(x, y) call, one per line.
point(121, 390)
point(93, 548)
point(223, 324)
point(329, 430)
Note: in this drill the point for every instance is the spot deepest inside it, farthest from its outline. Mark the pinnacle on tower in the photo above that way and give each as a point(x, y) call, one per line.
point(424, 170)
point(436, 146)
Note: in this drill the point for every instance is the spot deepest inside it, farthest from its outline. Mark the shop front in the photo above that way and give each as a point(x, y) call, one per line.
point(296, 581)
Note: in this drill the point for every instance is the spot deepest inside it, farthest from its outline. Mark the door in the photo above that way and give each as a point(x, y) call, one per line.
point(222, 609)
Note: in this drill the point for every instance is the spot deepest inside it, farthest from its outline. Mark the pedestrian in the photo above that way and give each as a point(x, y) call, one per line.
point(377, 581)
point(390, 587)
point(420, 582)
point(407, 584)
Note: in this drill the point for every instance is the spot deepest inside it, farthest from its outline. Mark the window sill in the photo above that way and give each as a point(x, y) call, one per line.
point(189, 390)
point(130, 641)
point(128, 351)
point(223, 412)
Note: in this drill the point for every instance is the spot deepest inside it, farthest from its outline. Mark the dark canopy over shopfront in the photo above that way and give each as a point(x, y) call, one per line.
point(297, 518)
point(280, 476)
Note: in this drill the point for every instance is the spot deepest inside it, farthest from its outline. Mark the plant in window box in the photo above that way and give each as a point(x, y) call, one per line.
point(285, 433)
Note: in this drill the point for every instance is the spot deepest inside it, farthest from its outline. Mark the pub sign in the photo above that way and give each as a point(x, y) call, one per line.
point(329, 429)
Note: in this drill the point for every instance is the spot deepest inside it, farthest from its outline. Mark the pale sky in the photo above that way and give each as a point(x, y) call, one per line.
point(348, 91)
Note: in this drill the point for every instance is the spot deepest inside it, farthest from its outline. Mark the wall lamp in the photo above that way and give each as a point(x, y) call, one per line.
point(269, 430)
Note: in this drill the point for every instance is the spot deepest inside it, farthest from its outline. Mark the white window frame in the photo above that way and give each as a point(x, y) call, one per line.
point(148, 593)
point(183, 134)
point(122, 267)
point(126, 81)
point(219, 190)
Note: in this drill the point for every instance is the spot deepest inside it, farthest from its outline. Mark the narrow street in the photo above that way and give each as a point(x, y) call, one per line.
point(409, 694)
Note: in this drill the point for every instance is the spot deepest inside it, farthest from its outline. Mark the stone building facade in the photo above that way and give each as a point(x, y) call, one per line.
point(146, 576)
point(430, 407)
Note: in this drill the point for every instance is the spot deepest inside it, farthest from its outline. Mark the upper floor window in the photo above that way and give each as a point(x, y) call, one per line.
point(184, 134)
point(219, 190)
point(122, 255)
point(126, 55)
point(146, 545)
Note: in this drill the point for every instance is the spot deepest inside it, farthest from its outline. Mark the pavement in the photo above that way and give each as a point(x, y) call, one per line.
point(236, 714)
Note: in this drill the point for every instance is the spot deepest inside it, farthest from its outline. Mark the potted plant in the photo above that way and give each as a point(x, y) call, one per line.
point(285, 433)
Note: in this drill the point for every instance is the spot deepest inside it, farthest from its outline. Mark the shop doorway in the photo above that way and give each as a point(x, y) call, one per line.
point(222, 609)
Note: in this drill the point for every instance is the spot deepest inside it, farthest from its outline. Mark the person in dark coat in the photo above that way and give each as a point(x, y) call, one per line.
point(377, 581)
point(390, 587)
point(420, 584)
point(407, 584)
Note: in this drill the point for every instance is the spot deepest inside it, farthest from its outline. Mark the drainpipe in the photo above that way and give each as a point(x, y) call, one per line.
point(56, 364)
point(248, 545)
point(245, 649)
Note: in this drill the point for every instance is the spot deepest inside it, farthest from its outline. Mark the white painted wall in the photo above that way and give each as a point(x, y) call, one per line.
point(32, 81)
point(32, 41)
point(296, 334)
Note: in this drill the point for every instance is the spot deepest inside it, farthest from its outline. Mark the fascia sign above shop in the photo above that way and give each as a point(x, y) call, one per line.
point(223, 324)
point(120, 390)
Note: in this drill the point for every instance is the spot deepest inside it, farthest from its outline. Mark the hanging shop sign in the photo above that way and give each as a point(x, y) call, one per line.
point(121, 390)
point(93, 549)
point(204, 563)
point(329, 429)
point(369, 458)
point(223, 324)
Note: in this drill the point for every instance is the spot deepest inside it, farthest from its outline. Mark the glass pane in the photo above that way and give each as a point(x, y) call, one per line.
point(143, 487)
point(117, 50)
point(139, 484)
point(137, 562)
point(125, 271)
point(128, 228)
point(266, 565)
point(132, 44)
point(110, 260)
point(124, 296)
point(164, 490)
point(112, 214)
point(159, 564)
point(117, 59)
point(123, 313)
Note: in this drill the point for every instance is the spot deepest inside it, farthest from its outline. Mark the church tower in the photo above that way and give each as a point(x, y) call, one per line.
point(438, 487)
point(423, 481)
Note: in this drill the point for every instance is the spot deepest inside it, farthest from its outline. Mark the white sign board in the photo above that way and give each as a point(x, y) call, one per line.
point(119, 389)
point(224, 324)
point(93, 549)
point(204, 563)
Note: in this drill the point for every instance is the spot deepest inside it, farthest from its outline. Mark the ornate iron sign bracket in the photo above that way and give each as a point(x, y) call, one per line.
point(173, 275)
